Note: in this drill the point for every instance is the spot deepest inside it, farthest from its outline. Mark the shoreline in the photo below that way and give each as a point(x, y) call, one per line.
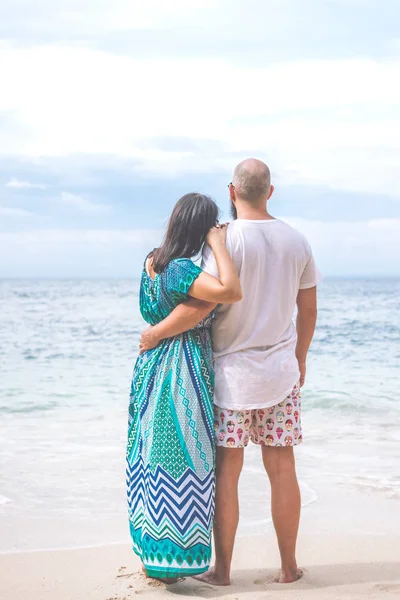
point(340, 567)
point(327, 510)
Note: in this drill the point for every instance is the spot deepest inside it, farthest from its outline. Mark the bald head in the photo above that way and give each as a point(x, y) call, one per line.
point(252, 181)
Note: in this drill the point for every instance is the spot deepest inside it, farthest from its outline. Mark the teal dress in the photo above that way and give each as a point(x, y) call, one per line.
point(171, 450)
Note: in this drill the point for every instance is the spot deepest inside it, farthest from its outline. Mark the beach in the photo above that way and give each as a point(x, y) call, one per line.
point(348, 549)
point(340, 567)
point(67, 350)
point(136, 137)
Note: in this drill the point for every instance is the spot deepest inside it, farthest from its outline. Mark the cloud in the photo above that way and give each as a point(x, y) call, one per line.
point(258, 31)
point(17, 184)
point(61, 237)
point(319, 121)
point(147, 101)
point(76, 253)
point(83, 204)
point(14, 212)
point(363, 248)
point(137, 198)
point(71, 19)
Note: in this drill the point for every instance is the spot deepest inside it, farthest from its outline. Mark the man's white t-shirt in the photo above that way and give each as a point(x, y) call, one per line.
point(254, 340)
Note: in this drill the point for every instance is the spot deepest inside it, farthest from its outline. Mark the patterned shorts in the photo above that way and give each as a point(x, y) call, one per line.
point(279, 425)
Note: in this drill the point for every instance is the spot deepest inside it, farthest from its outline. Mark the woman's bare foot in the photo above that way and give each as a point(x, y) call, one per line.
point(167, 580)
point(289, 576)
point(212, 577)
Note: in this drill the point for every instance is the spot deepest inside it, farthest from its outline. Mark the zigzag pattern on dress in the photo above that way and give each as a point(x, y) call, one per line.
point(170, 504)
point(193, 536)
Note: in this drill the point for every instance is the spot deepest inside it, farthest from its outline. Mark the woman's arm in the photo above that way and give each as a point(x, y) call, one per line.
point(184, 317)
point(226, 289)
point(206, 292)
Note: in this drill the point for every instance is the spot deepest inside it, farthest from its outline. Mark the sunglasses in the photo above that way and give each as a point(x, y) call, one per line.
point(231, 185)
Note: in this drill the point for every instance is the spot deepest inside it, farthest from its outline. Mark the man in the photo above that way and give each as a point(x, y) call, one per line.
point(260, 361)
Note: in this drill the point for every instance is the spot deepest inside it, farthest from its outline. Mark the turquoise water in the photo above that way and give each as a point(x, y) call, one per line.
point(66, 355)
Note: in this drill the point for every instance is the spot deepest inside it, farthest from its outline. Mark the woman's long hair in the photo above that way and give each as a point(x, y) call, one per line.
point(192, 218)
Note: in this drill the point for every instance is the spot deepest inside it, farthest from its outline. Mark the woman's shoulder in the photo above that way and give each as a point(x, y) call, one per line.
point(181, 272)
point(182, 263)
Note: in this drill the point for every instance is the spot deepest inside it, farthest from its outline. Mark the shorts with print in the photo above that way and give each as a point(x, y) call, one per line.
point(279, 425)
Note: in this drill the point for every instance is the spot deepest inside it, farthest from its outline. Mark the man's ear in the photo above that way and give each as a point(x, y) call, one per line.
point(271, 191)
point(232, 193)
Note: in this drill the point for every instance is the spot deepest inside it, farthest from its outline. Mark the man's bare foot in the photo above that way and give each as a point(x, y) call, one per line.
point(213, 578)
point(289, 576)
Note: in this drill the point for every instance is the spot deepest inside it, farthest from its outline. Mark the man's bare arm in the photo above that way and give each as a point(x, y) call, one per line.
point(305, 325)
point(184, 317)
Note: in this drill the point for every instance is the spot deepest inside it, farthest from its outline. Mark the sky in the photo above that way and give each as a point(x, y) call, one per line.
point(110, 110)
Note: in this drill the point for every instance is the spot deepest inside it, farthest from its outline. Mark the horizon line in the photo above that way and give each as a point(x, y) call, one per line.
point(137, 278)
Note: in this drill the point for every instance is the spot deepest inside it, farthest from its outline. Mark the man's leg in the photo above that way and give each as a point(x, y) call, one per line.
point(285, 499)
point(228, 468)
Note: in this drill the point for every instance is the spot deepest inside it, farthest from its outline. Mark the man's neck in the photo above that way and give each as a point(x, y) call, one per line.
point(252, 213)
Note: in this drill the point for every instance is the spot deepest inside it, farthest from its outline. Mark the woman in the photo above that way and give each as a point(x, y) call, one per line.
point(170, 450)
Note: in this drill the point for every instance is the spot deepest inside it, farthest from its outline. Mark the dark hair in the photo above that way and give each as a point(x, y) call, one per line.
point(192, 218)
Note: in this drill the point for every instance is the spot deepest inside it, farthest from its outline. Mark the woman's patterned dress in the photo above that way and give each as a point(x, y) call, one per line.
point(170, 450)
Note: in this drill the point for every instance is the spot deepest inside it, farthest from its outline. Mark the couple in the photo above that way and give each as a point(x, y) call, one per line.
point(222, 363)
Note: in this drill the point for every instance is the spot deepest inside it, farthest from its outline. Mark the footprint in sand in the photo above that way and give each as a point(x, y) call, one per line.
point(143, 583)
point(266, 580)
point(205, 591)
point(199, 591)
point(275, 579)
point(391, 588)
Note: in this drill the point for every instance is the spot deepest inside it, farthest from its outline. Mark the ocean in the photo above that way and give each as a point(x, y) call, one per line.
point(67, 350)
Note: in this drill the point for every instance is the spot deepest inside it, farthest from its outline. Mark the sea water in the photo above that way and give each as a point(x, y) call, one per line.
point(67, 350)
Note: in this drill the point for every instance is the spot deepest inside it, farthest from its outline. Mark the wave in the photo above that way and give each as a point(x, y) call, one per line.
point(390, 486)
point(28, 408)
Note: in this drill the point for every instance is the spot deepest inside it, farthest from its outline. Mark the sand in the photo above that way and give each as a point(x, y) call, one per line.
point(344, 568)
